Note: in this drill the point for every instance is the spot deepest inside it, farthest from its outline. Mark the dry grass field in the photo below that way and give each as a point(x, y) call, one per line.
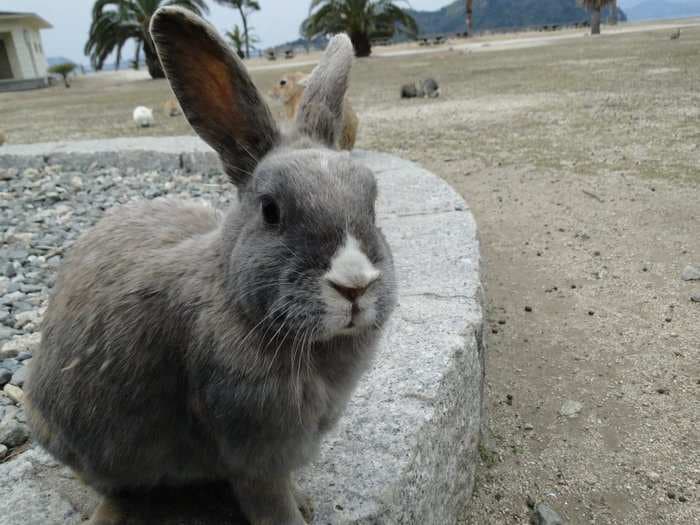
point(580, 158)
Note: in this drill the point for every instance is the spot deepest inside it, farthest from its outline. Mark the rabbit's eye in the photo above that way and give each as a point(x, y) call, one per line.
point(270, 211)
point(283, 82)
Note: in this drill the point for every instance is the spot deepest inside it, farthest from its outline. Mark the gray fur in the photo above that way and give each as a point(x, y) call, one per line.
point(321, 110)
point(431, 88)
point(165, 358)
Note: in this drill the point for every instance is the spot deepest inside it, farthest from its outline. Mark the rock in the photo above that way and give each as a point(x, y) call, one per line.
point(10, 364)
point(5, 376)
point(5, 333)
point(695, 297)
point(76, 183)
point(570, 408)
point(10, 270)
point(691, 273)
point(12, 297)
point(30, 173)
point(24, 318)
point(12, 432)
point(19, 377)
point(20, 343)
point(3, 452)
point(23, 356)
point(543, 514)
point(8, 351)
point(14, 393)
point(8, 174)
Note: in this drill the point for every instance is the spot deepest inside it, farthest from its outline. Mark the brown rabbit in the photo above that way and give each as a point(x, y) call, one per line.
point(184, 346)
point(290, 91)
point(171, 108)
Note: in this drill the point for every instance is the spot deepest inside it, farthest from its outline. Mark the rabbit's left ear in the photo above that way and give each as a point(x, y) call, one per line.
point(214, 91)
point(321, 111)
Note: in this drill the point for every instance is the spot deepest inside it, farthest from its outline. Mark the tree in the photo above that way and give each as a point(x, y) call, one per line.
point(470, 18)
point(595, 7)
point(114, 22)
point(64, 70)
point(245, 8)
point(361, 19)
point(237, 39)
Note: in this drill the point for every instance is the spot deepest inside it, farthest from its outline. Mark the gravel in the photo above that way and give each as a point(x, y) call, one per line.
point(42, 212)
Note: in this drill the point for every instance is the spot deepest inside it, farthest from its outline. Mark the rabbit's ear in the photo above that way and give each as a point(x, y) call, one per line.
point(214, 91)
point(321, 111)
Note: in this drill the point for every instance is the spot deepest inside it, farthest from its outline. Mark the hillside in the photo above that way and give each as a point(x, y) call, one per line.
point(502, 14)
point(655, 9)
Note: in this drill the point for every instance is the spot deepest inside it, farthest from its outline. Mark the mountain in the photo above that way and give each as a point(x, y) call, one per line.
point(503, 14)
point(654, 9)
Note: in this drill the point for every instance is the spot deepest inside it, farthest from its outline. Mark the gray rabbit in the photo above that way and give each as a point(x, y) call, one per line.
point(421, 88)
point(183, 346)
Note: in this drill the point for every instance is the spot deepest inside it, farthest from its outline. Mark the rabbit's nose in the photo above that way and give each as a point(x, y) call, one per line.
point(350, 293)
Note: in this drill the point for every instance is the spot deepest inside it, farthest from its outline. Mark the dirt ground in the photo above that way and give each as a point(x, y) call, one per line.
point(581, 162)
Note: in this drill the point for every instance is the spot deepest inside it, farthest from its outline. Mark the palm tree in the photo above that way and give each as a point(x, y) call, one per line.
point(245, 8)
point(470, 19)
point(361, 19)
point(237, 39)
point(114, 22)
point(110, 30)
point(595, 7)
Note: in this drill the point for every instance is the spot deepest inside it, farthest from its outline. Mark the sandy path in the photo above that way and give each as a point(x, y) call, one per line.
point(597, 260)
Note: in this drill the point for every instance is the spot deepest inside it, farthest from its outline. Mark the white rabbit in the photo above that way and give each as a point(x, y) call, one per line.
point(143, 116)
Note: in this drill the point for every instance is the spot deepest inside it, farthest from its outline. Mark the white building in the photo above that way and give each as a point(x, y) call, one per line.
point(22, 60)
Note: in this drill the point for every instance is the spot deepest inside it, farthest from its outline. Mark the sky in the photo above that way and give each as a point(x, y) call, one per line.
point(276, 23)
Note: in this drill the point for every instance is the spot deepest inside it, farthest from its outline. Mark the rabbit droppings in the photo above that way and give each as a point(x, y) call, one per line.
point(181, 345)
point(290, 91)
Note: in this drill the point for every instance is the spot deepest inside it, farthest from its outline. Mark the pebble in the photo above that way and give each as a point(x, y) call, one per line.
point(570, 408)
point(691, 273)
point(695, 297)
point(21, 343)
point(19, 377)
point(12, 432)
point(543, 514)
point(14, 393)
point(5, 376)
point(24, 318)
point(3, 452)
point(8, 174)
point(23, 356)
